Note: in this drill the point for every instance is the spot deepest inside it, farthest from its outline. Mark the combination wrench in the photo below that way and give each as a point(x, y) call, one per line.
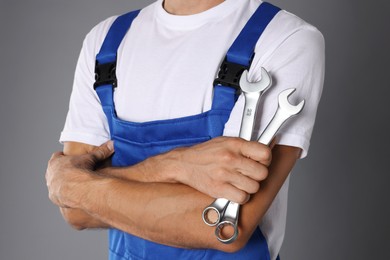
point(285, 111)
point(213, 213)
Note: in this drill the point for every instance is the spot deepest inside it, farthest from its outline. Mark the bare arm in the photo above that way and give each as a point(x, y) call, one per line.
point(78, 218)
point(232, 175)
point(161, 212)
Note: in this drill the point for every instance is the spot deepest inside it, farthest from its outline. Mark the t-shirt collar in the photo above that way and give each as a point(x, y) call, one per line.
point(188, 22)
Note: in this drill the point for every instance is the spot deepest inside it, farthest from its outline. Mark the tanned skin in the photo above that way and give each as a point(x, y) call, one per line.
point(158, 198)
point(156, 211)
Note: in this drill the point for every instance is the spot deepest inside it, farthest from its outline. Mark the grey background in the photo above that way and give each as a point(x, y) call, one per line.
point(339, 196)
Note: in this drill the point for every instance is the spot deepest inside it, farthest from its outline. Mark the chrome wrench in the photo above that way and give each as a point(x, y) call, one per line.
point(285, 111)
point(252, 92)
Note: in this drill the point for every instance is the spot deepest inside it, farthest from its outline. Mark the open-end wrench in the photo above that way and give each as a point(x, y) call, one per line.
point(285, 111)
point(252, 92)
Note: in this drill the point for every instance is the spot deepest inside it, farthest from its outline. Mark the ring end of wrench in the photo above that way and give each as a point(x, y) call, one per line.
point(221, 237)
point(209, 221)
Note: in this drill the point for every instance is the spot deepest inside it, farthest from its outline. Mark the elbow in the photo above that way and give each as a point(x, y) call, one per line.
point(73, 219)
point(76, 226)
point(237, 245)
point(232, 248)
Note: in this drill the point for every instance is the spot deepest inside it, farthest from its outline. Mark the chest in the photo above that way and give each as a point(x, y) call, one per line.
point(165, 74)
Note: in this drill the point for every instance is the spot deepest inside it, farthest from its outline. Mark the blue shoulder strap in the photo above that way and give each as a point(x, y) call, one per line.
point(238, 57)
point(243, 47)
point(114, 37)
point(105, 67)
point(240, 54)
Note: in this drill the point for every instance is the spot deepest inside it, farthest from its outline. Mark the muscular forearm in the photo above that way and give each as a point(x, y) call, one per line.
point(77, 218)
point(171, 213)
point(284, 159)
point(165, 213)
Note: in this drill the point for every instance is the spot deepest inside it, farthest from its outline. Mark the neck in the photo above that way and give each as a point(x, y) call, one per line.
point(188, 7)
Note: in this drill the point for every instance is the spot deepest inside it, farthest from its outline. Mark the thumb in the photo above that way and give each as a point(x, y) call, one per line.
point(102, 152)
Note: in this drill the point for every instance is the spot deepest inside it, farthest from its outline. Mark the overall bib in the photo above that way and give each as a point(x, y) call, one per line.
point(134, 142)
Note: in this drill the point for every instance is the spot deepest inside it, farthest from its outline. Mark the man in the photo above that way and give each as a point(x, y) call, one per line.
point(165, 65)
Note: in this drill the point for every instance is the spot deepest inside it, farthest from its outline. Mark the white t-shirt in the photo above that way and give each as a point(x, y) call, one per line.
point(165, 69)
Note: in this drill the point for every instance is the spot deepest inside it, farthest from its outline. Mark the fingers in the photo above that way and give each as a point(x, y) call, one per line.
point(242, 182)
point(252, 169)
point(102, 152)
point(248, 165)
point(256, 151)
point(226, 167)
point(231, 193)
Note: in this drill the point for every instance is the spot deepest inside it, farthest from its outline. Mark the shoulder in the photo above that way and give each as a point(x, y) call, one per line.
point(289, 35)
point(95, 37)
point(288, 24)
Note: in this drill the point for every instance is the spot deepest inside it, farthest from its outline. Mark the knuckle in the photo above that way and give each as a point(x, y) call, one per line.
point(227, 156)
point(242, 197)
point(218, 140)
point(263, 174)
point(220, 174)
point(99, 154)
point(237, 142)
point(255, 186)
point(266, 155)
point(237, 195)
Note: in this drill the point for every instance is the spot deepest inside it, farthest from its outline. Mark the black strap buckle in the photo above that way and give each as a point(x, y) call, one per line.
point(105, 74)
point(229, 75)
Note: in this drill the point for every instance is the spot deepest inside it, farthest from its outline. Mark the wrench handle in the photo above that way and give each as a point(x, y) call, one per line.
point(272, 128)
point(249, 114)
point(230, 219)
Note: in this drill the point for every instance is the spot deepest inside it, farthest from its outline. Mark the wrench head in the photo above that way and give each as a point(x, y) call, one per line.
point(286, 106)
point(255, 87)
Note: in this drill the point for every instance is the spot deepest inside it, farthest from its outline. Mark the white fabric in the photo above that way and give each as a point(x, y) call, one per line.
point(166, 66)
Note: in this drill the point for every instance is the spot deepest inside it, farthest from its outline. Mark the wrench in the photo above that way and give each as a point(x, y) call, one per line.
point(285, 111)
point(252, 92)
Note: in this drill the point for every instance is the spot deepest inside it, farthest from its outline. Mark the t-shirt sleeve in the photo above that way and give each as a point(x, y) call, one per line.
point(296, 61)
point(86, 121)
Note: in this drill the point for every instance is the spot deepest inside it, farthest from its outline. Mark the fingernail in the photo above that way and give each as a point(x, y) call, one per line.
point(110, 146)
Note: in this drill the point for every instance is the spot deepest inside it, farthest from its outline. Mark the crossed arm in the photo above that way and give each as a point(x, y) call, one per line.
point(161, 199)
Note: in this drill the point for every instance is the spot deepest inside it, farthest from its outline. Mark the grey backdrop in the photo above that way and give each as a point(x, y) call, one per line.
point(339, 196)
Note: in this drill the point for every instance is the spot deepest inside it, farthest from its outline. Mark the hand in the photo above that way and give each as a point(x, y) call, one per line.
point(223, 167)
point(65, 174)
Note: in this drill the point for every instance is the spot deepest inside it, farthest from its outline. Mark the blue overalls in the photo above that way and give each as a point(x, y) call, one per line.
point(134, 142)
